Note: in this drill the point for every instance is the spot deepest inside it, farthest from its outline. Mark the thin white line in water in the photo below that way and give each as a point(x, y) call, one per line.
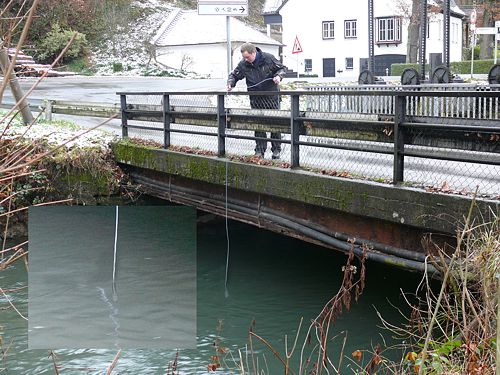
point(116, 240)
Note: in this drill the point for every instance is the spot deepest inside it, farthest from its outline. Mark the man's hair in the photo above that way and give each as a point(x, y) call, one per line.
point(247, 47)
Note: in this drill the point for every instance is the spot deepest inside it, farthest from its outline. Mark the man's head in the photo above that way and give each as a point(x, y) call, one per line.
point(248, 52)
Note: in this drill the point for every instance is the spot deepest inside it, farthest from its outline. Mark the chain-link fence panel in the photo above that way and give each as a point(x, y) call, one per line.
point(455, 161)
point(346, 134)
point(146, 117)
point(194, 122)
point(262, 118)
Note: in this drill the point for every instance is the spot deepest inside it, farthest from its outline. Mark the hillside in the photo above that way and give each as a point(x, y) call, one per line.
point(112, 37)
point(131, 55)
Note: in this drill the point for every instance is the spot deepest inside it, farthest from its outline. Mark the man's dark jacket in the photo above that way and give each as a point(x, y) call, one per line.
point(264, 68)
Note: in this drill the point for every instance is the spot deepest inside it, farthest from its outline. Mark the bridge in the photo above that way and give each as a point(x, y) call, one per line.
point(387, 172)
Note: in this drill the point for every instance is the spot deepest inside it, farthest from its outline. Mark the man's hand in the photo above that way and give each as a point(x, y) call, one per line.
point(277, 80)
point(229, 87)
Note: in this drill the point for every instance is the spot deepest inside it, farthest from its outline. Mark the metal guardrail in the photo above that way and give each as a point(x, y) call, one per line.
point(333, 141)
point(479, 107)
point(63, 107)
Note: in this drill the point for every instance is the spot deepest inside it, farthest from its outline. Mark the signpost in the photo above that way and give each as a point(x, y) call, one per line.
point(297, 48)
point(473, 17)
point(224, 8)
point(497, 39)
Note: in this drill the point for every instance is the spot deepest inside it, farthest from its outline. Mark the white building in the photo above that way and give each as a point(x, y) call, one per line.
point(334, 39)
point(198, 43)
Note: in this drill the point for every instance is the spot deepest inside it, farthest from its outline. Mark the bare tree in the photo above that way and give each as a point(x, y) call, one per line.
point(186, 62)
point(413, 33)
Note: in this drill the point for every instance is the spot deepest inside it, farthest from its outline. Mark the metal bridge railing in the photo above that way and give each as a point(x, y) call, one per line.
point(366, 134)
point(484, 108)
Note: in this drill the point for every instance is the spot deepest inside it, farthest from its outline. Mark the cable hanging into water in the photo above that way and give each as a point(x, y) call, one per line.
point(226, 292)
point(114, 254)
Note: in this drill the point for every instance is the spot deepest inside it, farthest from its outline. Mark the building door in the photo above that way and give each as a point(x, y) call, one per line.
point(328, 67)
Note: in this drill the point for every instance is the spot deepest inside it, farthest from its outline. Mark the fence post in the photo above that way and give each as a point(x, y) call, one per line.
point(294, 131)
point(166, 121)
point(221, 121)
point(399, 141)
point(123, 107)
point(48, 109)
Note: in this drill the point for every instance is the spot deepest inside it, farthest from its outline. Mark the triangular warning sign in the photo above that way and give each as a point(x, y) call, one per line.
point(297, 48)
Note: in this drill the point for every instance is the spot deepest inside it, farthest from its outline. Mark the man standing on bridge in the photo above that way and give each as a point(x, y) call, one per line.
point(263, 72)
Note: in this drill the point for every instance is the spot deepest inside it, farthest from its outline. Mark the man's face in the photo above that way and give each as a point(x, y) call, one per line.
point(249, 57)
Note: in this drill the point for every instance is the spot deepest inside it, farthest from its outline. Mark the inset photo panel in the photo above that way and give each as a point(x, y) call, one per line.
point(112, 277)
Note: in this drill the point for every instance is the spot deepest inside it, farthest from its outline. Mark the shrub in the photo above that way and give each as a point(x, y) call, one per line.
point(80, 65)
point(55, 41)
point(117, 67)
point(456, 67)
point(463, 67)
point(397, 69)
point(466, 52)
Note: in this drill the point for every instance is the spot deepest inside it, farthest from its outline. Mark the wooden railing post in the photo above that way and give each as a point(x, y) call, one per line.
point(123, 107)
point(221, 129)
point(166, 121)
point(399, 141)
point(294, 131)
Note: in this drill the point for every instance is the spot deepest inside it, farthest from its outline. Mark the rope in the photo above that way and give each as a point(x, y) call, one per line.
point(226, 293)
point(114, 255)
point(259, 83)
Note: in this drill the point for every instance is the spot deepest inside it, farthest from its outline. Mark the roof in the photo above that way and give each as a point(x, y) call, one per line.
point(186, 27)
point(454, 9)
point(272, 6)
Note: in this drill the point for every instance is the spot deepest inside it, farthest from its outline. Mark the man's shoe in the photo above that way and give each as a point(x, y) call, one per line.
point(276, 155)
point(259, 154)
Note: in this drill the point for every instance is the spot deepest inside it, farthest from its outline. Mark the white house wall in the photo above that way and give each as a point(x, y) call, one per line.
point(206, 59)
point(435, 37)
point(304, 19)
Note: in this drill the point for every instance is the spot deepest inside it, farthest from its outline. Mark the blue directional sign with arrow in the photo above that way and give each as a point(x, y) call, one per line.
point(223, 7)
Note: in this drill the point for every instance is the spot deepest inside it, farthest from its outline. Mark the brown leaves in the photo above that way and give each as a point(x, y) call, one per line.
point(357, 355)
point(332, 172)
point(191, 150)
point(213, 367)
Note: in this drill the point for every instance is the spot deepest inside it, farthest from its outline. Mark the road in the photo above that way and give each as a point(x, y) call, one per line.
point(104, 89)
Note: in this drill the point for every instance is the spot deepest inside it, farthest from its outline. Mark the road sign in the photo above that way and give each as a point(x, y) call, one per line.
point(473, 17)
point(223, 7)
point(297, 48)
point(497, 26)
point(485, 30)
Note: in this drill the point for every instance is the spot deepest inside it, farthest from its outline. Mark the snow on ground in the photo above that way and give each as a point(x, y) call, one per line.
point(56, 134)
point(128, 46)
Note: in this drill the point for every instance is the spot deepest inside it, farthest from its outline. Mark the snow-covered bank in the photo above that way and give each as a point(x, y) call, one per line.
point(56, 133)
point(127, 52)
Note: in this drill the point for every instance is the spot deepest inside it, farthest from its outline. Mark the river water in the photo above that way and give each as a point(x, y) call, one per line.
point(273, 281)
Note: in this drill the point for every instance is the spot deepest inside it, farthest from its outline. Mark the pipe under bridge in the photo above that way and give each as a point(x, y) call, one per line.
point(390, 174)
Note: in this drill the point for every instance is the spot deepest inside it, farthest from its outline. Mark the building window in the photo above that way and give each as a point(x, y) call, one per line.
point(350, 29)
point(454, 33)
point(328, 29)
point(388, 30)
point(349, 63)
point(308, 65)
